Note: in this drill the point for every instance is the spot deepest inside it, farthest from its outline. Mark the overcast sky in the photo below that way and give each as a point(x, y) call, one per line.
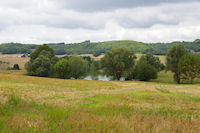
point(44, 21)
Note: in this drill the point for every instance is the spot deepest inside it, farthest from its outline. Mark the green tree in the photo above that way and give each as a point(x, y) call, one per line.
point(42, 66)
point(62, 68)
point(144, 71)
point(47, 51)
point(78, 67)
point(94, 68)
point(189, 67)
point(41, 62)
point(154, 61)
point(117, 62)
point(16, 67)
point(173, 57)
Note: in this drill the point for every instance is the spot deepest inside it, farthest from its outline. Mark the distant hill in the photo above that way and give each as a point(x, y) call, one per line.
point(97, 48)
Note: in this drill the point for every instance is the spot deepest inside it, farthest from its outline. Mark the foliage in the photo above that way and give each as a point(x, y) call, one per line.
point(98, 48)
point(62, 68)
point(173, 57)
point(3, 62)
point(14, 48)
point(189, 67)
point(117, 62)
point(154, 61)
point(43, 50)
point(144, 71)
point(78, 67)
point(16, 67)
point(41, 62)
point(41, 66)
point(94, 68)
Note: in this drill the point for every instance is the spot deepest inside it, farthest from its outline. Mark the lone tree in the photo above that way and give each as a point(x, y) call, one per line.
point(173, 57)
point(41, 62)
point(78, 67)
point(117, 62)
point(16, 67)
point(62, 68)
point(189, 67)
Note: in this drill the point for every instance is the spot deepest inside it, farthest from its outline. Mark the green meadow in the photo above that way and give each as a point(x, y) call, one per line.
point(35, 104)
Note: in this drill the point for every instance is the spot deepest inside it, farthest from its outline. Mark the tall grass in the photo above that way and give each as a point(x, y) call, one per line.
point(34, 104)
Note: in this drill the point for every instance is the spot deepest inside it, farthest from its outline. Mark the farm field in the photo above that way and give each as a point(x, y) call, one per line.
point(36, 104)
point(12, 59)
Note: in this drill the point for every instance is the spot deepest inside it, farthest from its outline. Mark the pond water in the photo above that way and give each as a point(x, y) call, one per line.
point(101, 78)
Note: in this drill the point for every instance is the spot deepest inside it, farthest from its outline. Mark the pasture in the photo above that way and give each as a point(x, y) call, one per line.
point(36, 104)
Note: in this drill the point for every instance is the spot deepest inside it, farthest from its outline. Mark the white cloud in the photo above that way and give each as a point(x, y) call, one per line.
point(43, 21)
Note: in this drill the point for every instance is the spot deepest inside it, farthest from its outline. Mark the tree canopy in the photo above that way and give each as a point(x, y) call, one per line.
point(41, 62)
point(173, 57)
point(118, 61)
point(189, 67)
point(98, 48)
point(77, 67)
point(62, 68)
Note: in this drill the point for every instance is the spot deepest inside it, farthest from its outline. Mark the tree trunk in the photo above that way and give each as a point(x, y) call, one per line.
point(177, 78)
point(191, 80)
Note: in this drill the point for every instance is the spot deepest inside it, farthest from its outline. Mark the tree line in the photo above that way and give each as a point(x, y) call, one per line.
point(98, 48)
point(117, 63)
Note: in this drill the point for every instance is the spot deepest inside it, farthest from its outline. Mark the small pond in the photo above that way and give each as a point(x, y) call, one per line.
point(101, 78)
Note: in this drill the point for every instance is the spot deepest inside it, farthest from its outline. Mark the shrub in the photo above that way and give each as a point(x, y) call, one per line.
point(16, 67)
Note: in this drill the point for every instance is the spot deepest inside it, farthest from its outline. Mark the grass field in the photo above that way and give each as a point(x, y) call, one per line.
point(35, 104)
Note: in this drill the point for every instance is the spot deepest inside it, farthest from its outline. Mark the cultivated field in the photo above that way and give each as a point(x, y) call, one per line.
point(12, 59)
point(34, 104)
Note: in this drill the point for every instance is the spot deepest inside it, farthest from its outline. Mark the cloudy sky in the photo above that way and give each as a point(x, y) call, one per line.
point(44, 21)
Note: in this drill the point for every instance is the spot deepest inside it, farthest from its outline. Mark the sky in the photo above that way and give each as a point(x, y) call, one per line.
point(53, 21)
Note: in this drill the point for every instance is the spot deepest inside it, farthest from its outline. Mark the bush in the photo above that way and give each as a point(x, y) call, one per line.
point(16, 67)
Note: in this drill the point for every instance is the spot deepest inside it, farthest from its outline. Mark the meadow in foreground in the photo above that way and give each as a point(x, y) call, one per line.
point(34, 104)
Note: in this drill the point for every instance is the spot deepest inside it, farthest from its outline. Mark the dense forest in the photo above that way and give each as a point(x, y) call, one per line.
point(97, 48)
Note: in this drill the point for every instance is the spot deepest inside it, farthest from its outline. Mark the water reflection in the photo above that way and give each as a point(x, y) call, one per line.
point(101, 78)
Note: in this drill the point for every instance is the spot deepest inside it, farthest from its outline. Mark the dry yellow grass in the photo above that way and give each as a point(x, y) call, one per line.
point(99, 106)
point(13, 59)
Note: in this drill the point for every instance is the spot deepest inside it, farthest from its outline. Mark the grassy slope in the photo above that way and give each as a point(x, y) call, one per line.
point(33, 104)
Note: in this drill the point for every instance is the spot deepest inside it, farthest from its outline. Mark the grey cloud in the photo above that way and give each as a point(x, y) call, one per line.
point(106, 5)
point(45, 21)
